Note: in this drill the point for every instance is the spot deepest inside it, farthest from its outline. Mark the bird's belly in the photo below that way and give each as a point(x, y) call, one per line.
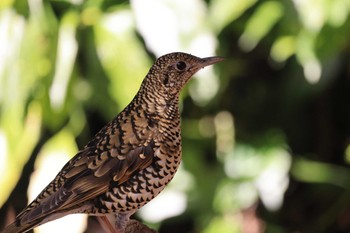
point(142, 187)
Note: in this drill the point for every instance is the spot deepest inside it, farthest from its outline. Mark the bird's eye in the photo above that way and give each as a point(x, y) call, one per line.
point(181, 65)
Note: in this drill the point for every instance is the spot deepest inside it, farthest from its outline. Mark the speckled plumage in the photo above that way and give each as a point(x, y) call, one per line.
point(130, 160)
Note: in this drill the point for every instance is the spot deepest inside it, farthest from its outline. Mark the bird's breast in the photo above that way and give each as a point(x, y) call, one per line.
point(147, 183)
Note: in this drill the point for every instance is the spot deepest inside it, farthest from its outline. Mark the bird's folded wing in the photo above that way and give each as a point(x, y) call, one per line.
point(85, 177)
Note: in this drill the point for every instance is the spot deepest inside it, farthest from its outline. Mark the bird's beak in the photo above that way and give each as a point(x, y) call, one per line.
point(209, 61)
point(199, 64)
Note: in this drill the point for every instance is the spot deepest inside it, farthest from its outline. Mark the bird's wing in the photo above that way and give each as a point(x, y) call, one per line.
point(85, 177)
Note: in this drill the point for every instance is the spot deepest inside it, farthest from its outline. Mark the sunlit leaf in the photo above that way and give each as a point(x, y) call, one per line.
point(264, 18)
point(318, 172)
point(283, 48)
point(223, 12)
point(16, 151)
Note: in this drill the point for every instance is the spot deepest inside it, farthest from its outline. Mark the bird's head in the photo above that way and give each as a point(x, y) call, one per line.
point(172, 71)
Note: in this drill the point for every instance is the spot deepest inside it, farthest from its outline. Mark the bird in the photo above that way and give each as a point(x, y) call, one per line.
point(129, 161)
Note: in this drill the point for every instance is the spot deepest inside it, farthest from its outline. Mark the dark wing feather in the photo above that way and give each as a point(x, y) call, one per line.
point(136, 160)
point(83, 179)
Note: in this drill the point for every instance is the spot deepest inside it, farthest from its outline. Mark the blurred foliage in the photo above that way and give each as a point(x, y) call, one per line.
point(266, 137)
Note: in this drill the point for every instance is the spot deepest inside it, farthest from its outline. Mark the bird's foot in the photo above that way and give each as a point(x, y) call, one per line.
point(120, 223)
point(107, 226)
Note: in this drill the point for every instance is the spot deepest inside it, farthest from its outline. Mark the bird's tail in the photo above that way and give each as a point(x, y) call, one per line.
point(16, 228)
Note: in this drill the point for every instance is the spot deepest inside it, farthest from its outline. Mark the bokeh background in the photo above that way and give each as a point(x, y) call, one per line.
point(266, 133)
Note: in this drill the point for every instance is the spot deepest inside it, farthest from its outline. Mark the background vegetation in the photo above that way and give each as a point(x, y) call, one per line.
point(266, 134)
